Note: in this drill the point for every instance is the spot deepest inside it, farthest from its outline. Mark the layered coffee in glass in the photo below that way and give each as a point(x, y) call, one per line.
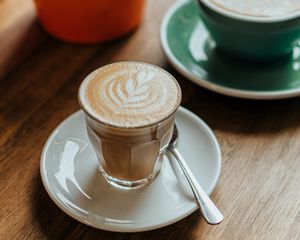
point(130, 111)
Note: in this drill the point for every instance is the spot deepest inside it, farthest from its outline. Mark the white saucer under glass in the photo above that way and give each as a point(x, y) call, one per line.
point(70, 174)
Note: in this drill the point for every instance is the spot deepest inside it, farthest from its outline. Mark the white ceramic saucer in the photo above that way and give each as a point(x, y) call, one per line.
point(70, 174)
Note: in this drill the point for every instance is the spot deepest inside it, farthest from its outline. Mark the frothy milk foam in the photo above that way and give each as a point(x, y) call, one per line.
point(129, 94)
point(260, 8)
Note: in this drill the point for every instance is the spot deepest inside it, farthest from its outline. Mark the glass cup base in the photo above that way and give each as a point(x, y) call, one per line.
point(127, 185)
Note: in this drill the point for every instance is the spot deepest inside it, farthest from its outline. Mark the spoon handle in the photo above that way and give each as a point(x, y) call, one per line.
point(210, 212)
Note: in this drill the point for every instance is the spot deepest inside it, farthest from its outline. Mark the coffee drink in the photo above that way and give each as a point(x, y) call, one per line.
point(259, 8)
point(130, 108)
point(129, 94)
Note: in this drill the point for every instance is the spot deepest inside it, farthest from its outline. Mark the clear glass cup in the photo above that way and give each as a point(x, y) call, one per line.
point(131, 156)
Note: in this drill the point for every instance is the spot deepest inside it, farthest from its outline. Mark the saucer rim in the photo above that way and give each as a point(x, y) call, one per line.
point(119, 228)
point(201, 81)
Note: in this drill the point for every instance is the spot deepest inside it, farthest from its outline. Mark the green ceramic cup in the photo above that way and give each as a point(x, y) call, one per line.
point(252, 38)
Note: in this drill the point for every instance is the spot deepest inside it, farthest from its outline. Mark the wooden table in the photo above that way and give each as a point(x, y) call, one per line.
point(259, 188)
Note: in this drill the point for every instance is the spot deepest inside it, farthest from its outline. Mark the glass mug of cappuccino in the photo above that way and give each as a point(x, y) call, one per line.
point(130, 111)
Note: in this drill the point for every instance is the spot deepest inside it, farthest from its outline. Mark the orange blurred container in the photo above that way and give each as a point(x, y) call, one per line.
point(89, 21)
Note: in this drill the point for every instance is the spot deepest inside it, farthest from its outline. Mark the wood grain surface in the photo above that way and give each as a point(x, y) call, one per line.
point(259, 188)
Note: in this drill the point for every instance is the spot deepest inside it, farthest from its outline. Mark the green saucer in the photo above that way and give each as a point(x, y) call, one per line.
point(193, 53)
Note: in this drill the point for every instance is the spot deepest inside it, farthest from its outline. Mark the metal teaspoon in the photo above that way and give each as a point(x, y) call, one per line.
point(210, 212)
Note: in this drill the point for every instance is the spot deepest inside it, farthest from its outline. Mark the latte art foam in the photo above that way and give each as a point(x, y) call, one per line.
point(129, 94)
point(260, 8)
